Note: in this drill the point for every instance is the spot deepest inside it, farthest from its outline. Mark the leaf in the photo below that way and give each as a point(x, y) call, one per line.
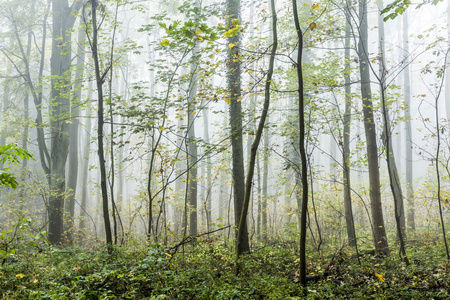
point(315, 6)
point(164, 42)
point(380, 276)
point(198, 31)
point(230, 46)
point(161, 128)
point(312, 26)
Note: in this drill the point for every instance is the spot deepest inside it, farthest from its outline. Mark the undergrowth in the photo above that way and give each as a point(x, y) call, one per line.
point(205, 271)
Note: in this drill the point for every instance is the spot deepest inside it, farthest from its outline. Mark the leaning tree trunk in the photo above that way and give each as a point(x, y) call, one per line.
point(242, 232)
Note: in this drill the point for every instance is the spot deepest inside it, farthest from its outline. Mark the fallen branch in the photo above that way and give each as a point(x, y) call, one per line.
point(190, 238)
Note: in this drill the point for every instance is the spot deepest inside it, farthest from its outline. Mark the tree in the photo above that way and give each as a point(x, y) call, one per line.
point(387, 139)
point(63, 18)
point(73, 147)
point(349, 219)
point(241, 237)
point(99, 78)
point(234, 94)
point(410, 214)
point(302, 138)
point(379, 231)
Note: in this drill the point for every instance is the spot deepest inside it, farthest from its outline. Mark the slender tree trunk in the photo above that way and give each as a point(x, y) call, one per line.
point(100, 123)
point(74, 148)
point(349, 219)
point(264, 196)
point(85, 165)
point(380, 239)
point(242, 229)
point(302, 138)
point(208, 169)
point(192, 155)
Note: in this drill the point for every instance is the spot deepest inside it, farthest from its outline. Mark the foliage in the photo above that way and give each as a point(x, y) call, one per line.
point(19, 239)
point(398, 7)
point(10, 155)
point(206, 272)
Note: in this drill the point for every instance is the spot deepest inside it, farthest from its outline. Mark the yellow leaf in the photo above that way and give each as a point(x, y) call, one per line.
point(164, 42)
point(312, 26)
point(199, 37)
point(380, 276)
point(168, 255)
point(20, 275)
point(161, 128)
point(198, 31)
point(230, 46)
point(315, 6)
point(227, 100)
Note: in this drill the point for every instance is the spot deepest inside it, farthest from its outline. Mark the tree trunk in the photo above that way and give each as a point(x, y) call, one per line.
point(349, 219)
point(408, 124)
point(379, 231)
point(302, 138)
point(74, 148)
point(100, 122)
point(242, 229)
point(192, 151)
point(208, 169)
point(234, 89)
point(60, 63)
point(264, 196)
point(85, 166)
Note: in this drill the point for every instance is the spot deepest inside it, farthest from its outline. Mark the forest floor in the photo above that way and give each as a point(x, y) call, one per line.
point(206, 271)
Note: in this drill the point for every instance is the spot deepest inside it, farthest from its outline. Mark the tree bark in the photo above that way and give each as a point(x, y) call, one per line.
point(349, 219)
point(74, 148)
point(100, 124)
point(60, 63)
point(379, 231)
point(242, 229)
point(234, 89)
point(302, 138)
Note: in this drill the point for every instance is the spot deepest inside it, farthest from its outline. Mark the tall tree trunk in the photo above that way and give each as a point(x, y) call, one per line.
point(85, 165)
point(349, 219)
point(233, 11)
point(208, 169)
point(74, 148)
point(100, 123)
point(379, 230)
point(60, 63)
point(264, 196)
point(408, 124)
point(302, 148)
point(192, 151)
point(242, 229)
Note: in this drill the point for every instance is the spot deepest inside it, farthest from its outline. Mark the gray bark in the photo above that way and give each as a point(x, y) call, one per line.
point(60, 63)
point(74, 148)
point(408, 124)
